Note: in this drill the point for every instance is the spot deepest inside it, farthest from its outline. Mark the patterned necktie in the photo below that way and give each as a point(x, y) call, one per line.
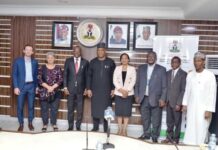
point(77, 66)
point(172, 76)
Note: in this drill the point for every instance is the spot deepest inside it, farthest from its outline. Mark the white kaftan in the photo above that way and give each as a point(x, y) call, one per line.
point(200, 96)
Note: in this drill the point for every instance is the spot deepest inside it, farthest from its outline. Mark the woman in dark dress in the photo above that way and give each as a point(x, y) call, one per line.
point(124, 80)
point(50, 79)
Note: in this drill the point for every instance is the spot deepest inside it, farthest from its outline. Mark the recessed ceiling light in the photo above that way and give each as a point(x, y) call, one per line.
point(189, 29)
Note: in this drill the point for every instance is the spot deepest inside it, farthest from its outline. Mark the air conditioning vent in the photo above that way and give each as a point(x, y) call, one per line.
point(212, 63)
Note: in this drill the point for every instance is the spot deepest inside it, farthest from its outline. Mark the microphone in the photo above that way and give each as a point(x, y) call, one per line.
point(109, 116)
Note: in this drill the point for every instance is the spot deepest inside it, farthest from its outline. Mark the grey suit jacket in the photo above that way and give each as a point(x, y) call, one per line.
point(176, 89)
point(157, 84)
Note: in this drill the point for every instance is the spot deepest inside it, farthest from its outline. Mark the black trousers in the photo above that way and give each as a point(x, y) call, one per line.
point(151, 116)
point(45, 105)
point(75, 102)
point(96, 122)
point(174, 119)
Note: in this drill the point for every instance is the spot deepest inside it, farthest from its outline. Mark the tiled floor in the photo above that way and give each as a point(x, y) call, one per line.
point(11, 124)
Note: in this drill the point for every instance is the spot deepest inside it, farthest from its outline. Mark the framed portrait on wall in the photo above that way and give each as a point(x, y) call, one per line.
point(118, 35)
point(89, 33)
point(62, 35)
point(144, 32)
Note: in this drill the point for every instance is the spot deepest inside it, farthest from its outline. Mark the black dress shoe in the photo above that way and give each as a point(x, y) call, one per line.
point(44, 129)
point(144, 137)
point(30, 125)
point(154, 140)
point(55, 128)
point(78, 128)
point(20, 129)
point(176, 141)
point(95, 129)
point(70, 129)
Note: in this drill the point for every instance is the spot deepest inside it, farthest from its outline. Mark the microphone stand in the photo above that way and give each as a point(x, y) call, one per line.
point(107, 144)
point(87, 138)
point(171, 141)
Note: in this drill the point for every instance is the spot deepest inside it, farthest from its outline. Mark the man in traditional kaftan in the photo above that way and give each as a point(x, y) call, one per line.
point(199, 101)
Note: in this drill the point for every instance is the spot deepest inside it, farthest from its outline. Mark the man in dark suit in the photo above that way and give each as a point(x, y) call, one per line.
point(75, 78)
point(25, 71)
point(150, 92)
point(176, 81)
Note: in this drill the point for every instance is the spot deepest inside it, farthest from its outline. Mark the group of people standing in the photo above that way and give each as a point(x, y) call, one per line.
point(101, 80)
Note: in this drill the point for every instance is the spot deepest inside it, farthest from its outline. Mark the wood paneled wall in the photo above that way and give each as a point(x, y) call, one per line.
point(5, 65)
point(15, 32)
point(208, 32)
point(23, 33)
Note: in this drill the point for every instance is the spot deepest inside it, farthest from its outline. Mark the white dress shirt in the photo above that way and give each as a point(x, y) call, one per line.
point(174, 72)
point(28, 70)
point(149, 73)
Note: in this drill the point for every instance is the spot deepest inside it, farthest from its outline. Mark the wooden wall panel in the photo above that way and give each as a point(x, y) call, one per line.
point(23, 32)
point(5, 65)
point(207, 31)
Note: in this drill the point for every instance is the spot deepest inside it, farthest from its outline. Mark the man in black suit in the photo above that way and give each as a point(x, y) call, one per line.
point(176, 81)
point(75, 74)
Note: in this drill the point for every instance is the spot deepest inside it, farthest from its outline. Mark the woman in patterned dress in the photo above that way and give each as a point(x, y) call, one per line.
point(50, 80)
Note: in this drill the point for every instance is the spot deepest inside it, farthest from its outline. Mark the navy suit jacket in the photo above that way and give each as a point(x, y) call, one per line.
point(19, 72)
point(157, 84)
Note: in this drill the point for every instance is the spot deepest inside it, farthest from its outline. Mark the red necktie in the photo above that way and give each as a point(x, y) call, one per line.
point(77, 66)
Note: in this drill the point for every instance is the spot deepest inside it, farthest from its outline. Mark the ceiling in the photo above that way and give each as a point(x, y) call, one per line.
point(167, 9)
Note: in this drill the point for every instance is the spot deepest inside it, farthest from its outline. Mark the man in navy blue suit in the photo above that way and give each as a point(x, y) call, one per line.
point(25, 71)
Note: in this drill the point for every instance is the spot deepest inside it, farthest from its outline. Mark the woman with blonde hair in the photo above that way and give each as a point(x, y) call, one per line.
point(50, 79)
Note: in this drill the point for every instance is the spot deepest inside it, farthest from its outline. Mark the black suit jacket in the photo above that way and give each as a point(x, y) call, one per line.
point(75, 83)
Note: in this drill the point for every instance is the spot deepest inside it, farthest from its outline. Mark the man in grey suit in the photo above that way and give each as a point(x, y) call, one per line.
point(176, 81)
point(150, 92)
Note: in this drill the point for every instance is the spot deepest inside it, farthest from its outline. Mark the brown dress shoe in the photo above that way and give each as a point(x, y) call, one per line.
point(20, 129)
point(166, 141)
point(30, 125)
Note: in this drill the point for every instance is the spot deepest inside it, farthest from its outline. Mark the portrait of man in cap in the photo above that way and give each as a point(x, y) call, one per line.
point(117, 38)
point(62, 36)
point(143, 35)
point(118, 35)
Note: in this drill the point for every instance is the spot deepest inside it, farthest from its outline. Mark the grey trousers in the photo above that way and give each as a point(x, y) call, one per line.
point(151, 118)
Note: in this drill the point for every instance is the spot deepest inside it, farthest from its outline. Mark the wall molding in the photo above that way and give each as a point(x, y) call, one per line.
point(93, 11)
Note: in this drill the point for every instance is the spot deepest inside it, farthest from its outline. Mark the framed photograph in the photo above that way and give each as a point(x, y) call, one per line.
point(144, 32)
point(62, 35)
point(89, 33)
point(118, 35)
